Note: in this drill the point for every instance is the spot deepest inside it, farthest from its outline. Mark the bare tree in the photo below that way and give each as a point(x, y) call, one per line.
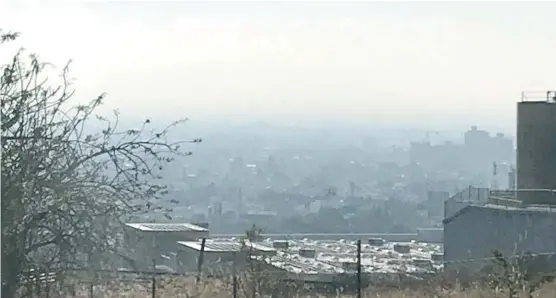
point(65, 192)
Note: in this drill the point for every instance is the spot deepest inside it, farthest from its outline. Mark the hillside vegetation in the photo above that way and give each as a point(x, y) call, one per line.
point(218, 288)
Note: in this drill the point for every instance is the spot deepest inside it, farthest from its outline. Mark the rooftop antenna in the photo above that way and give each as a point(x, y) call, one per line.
point(494, 184)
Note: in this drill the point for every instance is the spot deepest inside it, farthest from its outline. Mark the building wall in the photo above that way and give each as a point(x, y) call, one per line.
point(477, 231)
point(214, 261)
point(536, 146)
point(189, 258)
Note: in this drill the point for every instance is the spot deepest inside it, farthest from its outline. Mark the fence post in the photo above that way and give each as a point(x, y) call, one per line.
point(153, 282)
point(200, 263)
point(359, 268)
point(91, 290)
point(234, 281)
point(154, 286)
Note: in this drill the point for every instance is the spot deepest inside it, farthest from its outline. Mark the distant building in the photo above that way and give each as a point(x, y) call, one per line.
point(218, 252)
point(430, 235)
point(512, 179)
point(259, 216)
point(477, 153)
point(151, 244)
point(481, 150)
point(476, 138)
point(435, 201)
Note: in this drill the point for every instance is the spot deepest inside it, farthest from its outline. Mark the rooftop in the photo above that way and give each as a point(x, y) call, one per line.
point(333, 259)
point(166, 227)
point(530, 208)
point(547, 209)
point(373, 258)
point(225, 245)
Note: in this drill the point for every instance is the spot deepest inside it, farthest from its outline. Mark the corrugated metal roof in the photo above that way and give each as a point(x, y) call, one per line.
point(167, 227)
point(224, 246)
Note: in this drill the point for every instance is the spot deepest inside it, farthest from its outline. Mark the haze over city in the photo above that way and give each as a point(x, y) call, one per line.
point(330, 149)
point(434, 64)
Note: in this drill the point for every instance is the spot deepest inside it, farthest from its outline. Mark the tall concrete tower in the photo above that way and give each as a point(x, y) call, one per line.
point(536, 145)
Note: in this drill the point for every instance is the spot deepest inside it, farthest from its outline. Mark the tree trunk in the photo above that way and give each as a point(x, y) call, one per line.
point(11, 269)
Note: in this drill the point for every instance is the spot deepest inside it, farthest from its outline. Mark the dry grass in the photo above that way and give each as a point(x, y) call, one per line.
point(186, 287)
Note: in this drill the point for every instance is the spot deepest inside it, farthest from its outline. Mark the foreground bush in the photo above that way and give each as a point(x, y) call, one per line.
point(219, 288)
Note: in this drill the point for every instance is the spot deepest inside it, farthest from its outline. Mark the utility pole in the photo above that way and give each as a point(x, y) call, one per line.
point(153, 290)
point(359, 268)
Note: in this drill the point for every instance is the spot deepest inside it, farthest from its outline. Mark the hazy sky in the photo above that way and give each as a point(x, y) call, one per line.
point(439, 62)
